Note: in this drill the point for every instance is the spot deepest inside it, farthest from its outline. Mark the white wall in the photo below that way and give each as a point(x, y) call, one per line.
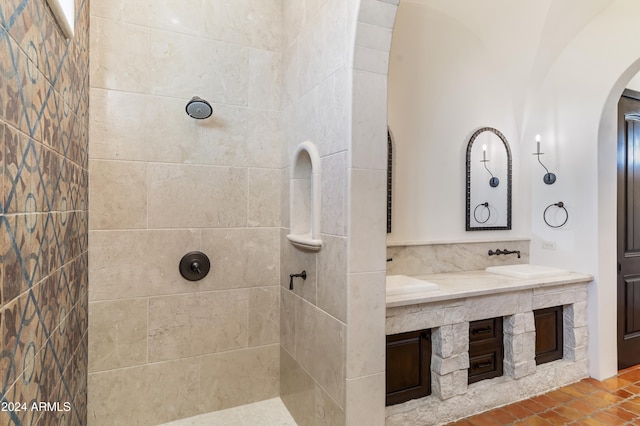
point(452, 69)
point(578, 109)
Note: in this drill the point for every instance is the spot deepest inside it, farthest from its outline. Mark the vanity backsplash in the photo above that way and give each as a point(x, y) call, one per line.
point(453, 257)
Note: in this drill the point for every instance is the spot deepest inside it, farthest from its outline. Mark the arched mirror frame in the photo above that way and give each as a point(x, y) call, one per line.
point(508, 150)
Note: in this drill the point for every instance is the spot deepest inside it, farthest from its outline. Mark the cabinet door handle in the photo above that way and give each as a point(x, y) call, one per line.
point(481, 330)
point(481, 365)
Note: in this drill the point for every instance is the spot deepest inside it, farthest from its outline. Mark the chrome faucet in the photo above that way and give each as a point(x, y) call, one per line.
point(505, 251)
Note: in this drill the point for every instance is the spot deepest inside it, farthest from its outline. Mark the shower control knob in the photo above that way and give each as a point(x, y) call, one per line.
point(194, 266)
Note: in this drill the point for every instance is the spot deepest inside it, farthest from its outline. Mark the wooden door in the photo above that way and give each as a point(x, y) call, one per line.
point(629, 229)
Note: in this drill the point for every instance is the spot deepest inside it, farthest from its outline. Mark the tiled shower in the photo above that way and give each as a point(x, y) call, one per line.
point(44, 99)
point(164, 184)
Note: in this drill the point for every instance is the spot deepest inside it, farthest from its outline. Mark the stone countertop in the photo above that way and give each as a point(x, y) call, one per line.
point(460, 285)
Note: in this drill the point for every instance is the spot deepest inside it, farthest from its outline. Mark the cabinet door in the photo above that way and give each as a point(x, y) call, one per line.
point(549, 334)
point(408, 366)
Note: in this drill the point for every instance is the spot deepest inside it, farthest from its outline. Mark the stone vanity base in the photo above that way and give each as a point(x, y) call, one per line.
point(451, 397)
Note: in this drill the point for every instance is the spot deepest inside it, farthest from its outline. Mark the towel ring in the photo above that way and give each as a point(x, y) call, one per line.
point(559, 205)
point(475, 211)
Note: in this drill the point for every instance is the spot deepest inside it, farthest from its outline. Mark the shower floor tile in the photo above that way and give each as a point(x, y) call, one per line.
point(270, 412)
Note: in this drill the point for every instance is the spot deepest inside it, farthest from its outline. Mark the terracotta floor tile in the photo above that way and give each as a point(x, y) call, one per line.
point(622, 393)
point(532, 406)
point(502, 416)
point(633, 389)
point(560, 396)
point(590, 422)
point(545, 401)
point(613, 383)
point(583, 387)
point(631, 375)
point(608, 418)
point(635, 400)
point(620, 413)
point(570, 413)
point(583, 406)
point(601, 399)
point(536, 421)
point(632, 408)
point(554, 418)
point(517, 410)
point(484, 419)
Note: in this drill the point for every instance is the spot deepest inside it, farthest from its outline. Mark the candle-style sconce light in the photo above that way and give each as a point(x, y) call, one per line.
point(494, 181)
point(549, 178)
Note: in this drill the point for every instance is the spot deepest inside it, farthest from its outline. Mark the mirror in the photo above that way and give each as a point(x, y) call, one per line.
point(488, 181)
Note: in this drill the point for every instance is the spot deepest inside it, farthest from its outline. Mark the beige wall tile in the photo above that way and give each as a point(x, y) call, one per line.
point(334, 112)
point(327, 412)
point(183, 196)
point(264, 197)
point(239, 377)
point(375, 12)
point(284, 197)
point(118, 336)
point(214, 19)
point(369, 142)
point(247, 137)
point(373, 37)
point(125, 126)
point(366, 331)
point(365, 400)
point(321, 348)
point(290, 74)
point(135, 263)
point(247, 257)
point(333, 190)
point(294, 261)
point(288, 320)
point(197, 324)
point(332, 277)
point(367, 243)
point(265, 79)
point(113, 44)
point(264, 316)
point(138, 395)
point(114, 205)
point(297, 390)
point(123, 10)
point(184, 66)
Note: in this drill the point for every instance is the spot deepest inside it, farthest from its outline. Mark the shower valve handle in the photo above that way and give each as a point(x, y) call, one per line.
point(302, 275)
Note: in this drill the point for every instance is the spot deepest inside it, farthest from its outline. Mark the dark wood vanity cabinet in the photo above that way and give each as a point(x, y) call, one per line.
point(549, 334)
point(486, 349)
point(408, 366)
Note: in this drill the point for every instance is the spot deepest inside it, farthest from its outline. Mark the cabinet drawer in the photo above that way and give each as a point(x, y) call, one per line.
point(486, 349)
point(485, 329)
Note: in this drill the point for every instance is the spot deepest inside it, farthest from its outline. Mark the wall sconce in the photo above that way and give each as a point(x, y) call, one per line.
point(549, 178)
point(494, 181)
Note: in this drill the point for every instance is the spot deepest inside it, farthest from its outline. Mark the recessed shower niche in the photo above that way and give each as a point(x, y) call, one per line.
point(304, 198)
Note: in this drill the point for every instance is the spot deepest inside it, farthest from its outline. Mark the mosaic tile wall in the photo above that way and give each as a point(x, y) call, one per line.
point(44, 103)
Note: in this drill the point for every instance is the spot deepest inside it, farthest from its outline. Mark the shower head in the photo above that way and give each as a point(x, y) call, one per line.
point(199, 108)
